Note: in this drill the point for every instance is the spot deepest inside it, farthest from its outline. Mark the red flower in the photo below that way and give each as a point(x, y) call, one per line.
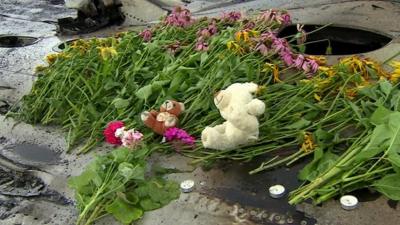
point(109, 132)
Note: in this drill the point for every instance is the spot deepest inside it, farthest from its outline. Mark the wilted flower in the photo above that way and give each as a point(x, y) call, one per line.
point(180, 17)
point(52, 58)
point(313, 66)
point(231, 17)
point(107, 52)
point(299, 61)
point(395, 75)
point(110, 132)
point(273, 15)
point(286, 20)
point(212, 28)
point(249, 25)
point(146, 35)
point(201, 46)
point(174, 48)
point(205, 33)
point(308, 142)
point(287, 57)
point(262, 48)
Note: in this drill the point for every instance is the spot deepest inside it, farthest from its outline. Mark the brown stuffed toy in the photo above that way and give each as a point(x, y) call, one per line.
point(159, 122)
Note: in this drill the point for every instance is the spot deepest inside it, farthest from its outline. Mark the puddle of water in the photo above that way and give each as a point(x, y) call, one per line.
point(31, 153)
point(252, 191)
point(342, 40)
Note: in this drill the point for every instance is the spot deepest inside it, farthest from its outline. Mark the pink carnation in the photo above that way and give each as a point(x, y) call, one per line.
point(109, 132)
point(180, 135)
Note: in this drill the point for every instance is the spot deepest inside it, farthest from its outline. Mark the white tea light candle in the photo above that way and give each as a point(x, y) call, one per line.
point(277, 191)
point(187, 186)
point(349, 202)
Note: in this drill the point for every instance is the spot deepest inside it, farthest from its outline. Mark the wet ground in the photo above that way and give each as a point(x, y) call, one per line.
point(34, 166)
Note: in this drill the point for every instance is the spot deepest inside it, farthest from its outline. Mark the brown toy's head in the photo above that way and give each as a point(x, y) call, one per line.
point(172, 107)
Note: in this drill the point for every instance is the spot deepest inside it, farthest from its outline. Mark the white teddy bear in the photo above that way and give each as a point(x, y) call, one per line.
point(240, 110)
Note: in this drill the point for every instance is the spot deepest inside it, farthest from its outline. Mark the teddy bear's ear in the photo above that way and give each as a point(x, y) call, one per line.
point(222, 99)
point(182, 106)
point(167, 105)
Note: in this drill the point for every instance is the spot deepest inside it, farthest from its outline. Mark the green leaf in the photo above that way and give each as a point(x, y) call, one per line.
point(386, 87)
point(176, 82)
point(389, 186)
point(298, 124)
point(156, 86)
point(323, 137)
point(144, 92)
point(385, 137)
point(120, 155)
point(120, 103)
point(130, 197)
point(321, 163)
point(131, 172)
point(147, 204)
point(380, 115)
point(124, 212)
point(82, 180)
point(203, 58)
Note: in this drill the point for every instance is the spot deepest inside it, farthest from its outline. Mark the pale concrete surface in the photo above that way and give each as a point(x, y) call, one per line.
point(223, 195)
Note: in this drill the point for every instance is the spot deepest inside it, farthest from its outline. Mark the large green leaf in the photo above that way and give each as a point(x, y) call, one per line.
point(120, 103)
point(389, 186)
point(131, 172)
point(321, 163)
point(298, 124)
point(124, 212)
point(144, 92)
point(148, 204)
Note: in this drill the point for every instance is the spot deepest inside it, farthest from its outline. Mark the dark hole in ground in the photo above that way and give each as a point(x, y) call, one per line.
point(252, 191)
point(342, 40)
point(63, 45)
point(16, 41)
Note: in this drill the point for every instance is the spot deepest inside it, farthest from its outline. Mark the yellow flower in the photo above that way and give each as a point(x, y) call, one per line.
point(328, 70)
point(52, 57)
point(107, 52)
point(240, 34)
point(317, 97)
point(395, 75)
point(360, 65)
point(321, 60)
point(351, 93)
point(275, 71)
point(232, 45)
point(308, 143)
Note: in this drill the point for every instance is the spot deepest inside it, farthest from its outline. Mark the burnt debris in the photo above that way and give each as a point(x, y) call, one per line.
point(92, 15)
